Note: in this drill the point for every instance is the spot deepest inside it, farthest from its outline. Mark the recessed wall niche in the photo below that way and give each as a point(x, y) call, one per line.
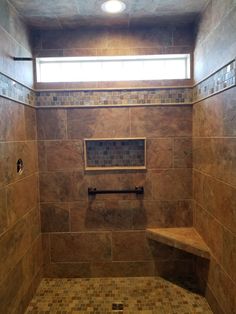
point(115, 154)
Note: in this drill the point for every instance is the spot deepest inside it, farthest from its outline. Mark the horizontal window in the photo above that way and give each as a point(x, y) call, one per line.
point(119, 68)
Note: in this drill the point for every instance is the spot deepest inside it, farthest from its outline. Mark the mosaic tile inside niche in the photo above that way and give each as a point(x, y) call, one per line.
point(224, 78)
point(114, 97)
point(115, 153)
point(146, 295)
point(14, 90)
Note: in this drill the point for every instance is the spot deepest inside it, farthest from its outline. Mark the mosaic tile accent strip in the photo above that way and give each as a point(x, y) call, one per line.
point(220, 80)
point(146, 295)
point(122, 153)
point(114, 97)
point(224, 78)
point(16, 91)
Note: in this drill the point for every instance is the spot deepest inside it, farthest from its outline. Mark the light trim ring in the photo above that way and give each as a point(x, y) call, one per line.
point(113, 6)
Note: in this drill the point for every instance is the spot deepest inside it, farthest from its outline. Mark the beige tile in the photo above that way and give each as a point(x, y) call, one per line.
point(81, 247)
point(172, 184)
point(54, 217)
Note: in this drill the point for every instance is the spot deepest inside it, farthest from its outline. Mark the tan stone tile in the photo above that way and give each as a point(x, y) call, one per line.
point(67, 270)
point(159, 153)
point(54, 217)
point(100, 123)
point(216, 157)
point(64, 155)
point(229, 253)
point(30, 123)
point(125, 248)
point(161, 121)
point(120, 269)
point(172, 184)
point(80, 247)
point(51, 124)
point(101, 215)
point(183, 153)
point(3, 211)
point(22, 197)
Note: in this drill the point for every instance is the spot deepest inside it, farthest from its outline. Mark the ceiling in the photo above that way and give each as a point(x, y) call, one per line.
point(61, 14)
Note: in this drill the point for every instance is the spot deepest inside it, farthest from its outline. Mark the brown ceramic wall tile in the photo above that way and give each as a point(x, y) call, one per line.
point(216, 197)
point(207, 117)
point(161, 121)
point(161, 252)
point(20, 243)
point(172, 184)
point(213, 301)
point(16, 285)
point(101, 215)
point(3, 211)
point(104, 123)
point(174, 269)
point(46, 254)
point(67, 270)
point(159, 153)
point(125, 248)
point(54, 187)
point(64, 155)
point(166, 214)
point(12, 114)
point(183, 153)
point(211, 54)
point(129, 214)
point(11, 289)
point(18, 238)
point(122, 269)
point(7, 163)
point(120, 180)
point(62, 186)
point(155, 37)
point(15, 40)
point(229, 112)
point(54, 217)
point(229, 253)
point(215, 116)
point(51, 124)
point(30, 123)
point(81, 247)
point(216, 157)
point(42, 155)
point(27, 151)
point(22, 196)
point(222, 287)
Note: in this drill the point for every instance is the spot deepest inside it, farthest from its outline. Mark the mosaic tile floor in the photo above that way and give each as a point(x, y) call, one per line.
point(146, 295)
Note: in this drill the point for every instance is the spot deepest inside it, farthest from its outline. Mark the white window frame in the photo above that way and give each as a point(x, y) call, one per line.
point(109, 74)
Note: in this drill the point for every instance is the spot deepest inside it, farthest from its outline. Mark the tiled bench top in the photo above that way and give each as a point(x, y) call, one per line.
point(186, 239)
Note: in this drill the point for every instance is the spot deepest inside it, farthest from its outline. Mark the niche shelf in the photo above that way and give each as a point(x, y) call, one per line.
point(186, 239)
point(115, 153)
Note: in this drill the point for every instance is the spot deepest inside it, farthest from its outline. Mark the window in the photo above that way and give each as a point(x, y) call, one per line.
point(119, 68)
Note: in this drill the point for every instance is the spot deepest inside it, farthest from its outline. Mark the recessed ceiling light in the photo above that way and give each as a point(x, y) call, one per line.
point(113, 6)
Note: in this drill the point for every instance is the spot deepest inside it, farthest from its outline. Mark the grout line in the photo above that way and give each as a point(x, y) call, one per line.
point(215, 218)
point(215, 178)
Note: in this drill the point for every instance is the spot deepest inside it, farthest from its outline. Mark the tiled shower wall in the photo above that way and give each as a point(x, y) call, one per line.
point(20, 240)
point(214, 151)
point(105, 236)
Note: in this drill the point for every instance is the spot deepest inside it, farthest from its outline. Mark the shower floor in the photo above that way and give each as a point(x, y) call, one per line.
point(146, 295)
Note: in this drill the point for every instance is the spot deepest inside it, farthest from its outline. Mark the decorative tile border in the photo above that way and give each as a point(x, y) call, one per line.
point(222, 79)
point(114, 97)
point(16, 91)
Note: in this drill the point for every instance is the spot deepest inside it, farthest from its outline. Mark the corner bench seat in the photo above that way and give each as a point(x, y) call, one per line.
point(186, 239)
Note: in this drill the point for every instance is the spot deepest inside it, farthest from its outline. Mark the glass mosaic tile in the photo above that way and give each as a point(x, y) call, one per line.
point(115, 153)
